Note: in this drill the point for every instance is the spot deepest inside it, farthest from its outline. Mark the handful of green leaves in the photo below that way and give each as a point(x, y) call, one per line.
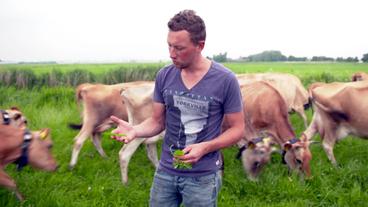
point(118, 135)
point(178, 164)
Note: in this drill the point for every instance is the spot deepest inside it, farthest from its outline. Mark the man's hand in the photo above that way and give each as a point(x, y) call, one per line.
point(194, 152)
point(124, 128)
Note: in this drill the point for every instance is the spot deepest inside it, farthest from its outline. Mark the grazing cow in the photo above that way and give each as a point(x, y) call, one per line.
point(288, 85)
point(14, 117)
point(265, 113)
point(359, 76)
point(340, 109)
point(22, 147)
point(138, 101)
point(99, 103)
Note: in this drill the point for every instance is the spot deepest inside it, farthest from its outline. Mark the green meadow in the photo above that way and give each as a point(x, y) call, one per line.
point(45, 94)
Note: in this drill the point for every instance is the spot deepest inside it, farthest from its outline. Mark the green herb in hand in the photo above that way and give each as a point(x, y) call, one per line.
point(118, 135)
point(178, 164)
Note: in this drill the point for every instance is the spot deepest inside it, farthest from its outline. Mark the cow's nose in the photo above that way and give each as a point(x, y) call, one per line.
point(256, 165)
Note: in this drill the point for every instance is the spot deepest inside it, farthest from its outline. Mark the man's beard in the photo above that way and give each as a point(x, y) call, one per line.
point(181, 65)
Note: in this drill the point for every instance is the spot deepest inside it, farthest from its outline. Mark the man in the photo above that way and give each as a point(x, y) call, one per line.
point(191, 98)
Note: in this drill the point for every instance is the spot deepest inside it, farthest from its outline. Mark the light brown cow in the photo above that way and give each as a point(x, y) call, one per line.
point(14, 117)
point(265, 113)
point(138, 101)
point(139, 105)
point(359, 76)
point(340, 109)
point(99, 103)
point(24, 148)
point(288, 85)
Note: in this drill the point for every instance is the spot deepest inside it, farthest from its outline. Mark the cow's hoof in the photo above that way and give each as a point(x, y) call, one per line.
point(71, 167)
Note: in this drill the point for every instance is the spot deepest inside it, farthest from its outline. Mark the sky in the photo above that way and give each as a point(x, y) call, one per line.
point(136, 30)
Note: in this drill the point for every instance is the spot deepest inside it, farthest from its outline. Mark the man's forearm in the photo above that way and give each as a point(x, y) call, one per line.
point(230, 137)
point(149, 128)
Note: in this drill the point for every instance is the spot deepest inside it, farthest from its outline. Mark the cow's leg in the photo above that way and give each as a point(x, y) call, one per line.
point(125, 154)
point(7, 182)
point(79, 140)
point(328, 145)
point(97, 142)
point(152, 153)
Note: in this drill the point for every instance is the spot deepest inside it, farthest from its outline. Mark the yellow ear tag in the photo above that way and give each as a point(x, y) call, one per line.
point(267, 140)
point(43, 134)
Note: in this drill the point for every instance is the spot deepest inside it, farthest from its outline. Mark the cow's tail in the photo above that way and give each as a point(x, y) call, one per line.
point(75, 126)
point(308, 104)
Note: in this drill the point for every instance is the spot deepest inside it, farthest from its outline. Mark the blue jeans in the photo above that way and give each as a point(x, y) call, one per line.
point(170, 190)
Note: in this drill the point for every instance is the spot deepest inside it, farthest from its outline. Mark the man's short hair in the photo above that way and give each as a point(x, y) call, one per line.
point(192, 23)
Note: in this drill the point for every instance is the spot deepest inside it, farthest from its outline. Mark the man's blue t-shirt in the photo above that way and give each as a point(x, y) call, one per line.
point(195, 115)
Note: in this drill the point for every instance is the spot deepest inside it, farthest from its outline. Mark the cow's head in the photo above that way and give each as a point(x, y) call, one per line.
point(297, 155)
point(39, 155)
point(359, 76)
point(14, 117)
point(256, 155)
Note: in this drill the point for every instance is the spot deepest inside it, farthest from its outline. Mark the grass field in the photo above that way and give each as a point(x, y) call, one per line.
point(96, 181)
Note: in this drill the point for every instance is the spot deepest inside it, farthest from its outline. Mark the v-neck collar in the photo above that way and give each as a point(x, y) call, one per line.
point(195, 85)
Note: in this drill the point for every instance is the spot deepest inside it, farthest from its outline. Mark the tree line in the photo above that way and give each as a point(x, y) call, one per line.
point(275, 56)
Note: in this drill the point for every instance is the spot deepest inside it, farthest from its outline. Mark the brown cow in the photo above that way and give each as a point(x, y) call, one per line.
point(266, 113)
point(23, 147)
point(340, 109)
point(14, 117)
point(139, 105)
point(359, 76)
point(99, 103)
point(288, 85)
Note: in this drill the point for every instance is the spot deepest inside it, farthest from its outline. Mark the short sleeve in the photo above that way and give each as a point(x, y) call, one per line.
point(233, 98)
point(157, 94)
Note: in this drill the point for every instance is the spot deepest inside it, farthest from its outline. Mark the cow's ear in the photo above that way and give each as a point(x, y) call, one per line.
point(251, 145)
point(14, 108)
point(287, 146)
point(44, 133)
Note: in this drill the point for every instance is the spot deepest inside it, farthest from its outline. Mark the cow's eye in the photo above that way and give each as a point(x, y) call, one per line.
point(17, 116)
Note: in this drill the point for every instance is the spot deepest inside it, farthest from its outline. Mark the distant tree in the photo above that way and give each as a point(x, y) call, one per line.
point(222, 57)
point(322, 58)
point(365, 58)
point(269, 56)
point(293, 58)
point(348, 59)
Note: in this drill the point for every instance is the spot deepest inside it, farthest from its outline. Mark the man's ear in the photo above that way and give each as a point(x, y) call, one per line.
point(201, 44)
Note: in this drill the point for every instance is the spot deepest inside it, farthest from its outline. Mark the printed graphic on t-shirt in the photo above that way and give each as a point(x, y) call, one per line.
point(194, 114)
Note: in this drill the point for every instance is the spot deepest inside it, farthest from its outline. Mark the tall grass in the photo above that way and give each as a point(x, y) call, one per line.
point(96, 181)
point(29, 76)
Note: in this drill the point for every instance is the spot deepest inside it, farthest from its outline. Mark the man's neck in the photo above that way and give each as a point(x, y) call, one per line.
point(201, 66)
point(192, 76)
